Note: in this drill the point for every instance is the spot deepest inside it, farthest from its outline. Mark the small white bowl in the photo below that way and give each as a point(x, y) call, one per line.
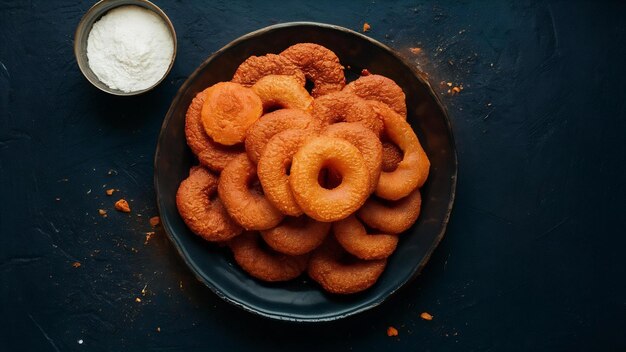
point(82, 34)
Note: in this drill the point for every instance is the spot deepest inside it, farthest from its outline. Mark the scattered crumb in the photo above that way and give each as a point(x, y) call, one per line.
point(391, 331)
point(449, 84)
point(180, 284)
point(138, 300)
point(415, 50)
point(76, 264)
point(158, 329)
point(426, 316)
point(143, 290)
point(155, 221)
point(109, 191)
point(89, 191)
point(365, 72)
point(366, 27)
point(57, 199)
point(80, 342)
point(102, 212)
point(148, 236)
point(122, 205)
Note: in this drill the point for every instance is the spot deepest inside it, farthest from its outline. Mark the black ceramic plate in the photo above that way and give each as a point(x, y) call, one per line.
point(302, 299)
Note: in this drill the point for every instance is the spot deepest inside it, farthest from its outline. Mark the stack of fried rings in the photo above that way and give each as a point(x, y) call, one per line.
point(292, 181)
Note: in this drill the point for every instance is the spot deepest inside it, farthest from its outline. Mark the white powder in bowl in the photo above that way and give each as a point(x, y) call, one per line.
point(130, 48)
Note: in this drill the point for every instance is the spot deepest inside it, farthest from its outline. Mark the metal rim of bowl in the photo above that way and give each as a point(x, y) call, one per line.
point(418, 268)
point(95, 14)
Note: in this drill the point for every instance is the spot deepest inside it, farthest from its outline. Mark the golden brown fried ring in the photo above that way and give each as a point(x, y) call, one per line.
point(204, 214)
point(274, 166)
point(320, 66)
point(283, 92)
point(338, 272)
point(329, 204)
point(392, 216)
point(257, 67)
point(366, 142)
point(392, 156)
point(412, 171)
point(210, 154)
point(346, 107)
point(247, 206)
point(228, 111)
point(272, 123)
point(353, 237)
point(379, 88)
point(263, 263)
point(296, 236)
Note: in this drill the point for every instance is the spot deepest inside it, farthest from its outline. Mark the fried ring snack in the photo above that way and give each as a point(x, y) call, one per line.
point(210, 154)
point(228, 111)
point(201, 211)
point(263, 263)
point(392, 156)
point(379, 88)
point(346, 107)
point(413, 170)
point(272, 123)
point(338, 272)
point(296, 236)
point(283, 92)
point(247, 206)
point(320, 66)
point(353, 237)
point(274, 166)
point(257, 67)
point(366, 142)
point(392, 216)
point(329, 204)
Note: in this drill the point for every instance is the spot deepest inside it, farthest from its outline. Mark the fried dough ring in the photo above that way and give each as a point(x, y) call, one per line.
point(263, 263)
point(392, 216)
point(249, 208)
point(204, 215)
point(346, 107)
point(228, 111)
point(320, 65)
point(412, 171)
point(338, 272)
point(353, 237)
point(273, 169)
point(284, 92)
point(272, 123)
point(379, 88)
point(366, 142)
point(296, 236)
point(210, 154)
point(329, 204)
point(257, 67)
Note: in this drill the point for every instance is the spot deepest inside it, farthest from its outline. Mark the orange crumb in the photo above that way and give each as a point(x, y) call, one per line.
point(155, 221)
point(138, 300)
point(426, 316)
point(110, 191)
point(416, 50)
point(365, 72)
point(102, 212)
point(391, 331)
point(122, 205)
point(366, 27)
point(76, 264)
point(456, 89)
point(148, 236)
point(449, 84)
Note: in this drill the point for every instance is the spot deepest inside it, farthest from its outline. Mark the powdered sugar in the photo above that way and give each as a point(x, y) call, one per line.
point(130, 48)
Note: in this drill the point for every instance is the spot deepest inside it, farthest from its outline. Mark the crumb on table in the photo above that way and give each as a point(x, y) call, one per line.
point(366, 27)
point(426, 316)
point(122, 205)
point(391, 331)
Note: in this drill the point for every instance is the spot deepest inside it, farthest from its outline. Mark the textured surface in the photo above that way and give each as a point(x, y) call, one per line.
point(532, 258)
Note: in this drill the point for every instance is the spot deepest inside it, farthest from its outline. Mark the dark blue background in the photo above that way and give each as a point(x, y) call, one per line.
point(533, 255)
